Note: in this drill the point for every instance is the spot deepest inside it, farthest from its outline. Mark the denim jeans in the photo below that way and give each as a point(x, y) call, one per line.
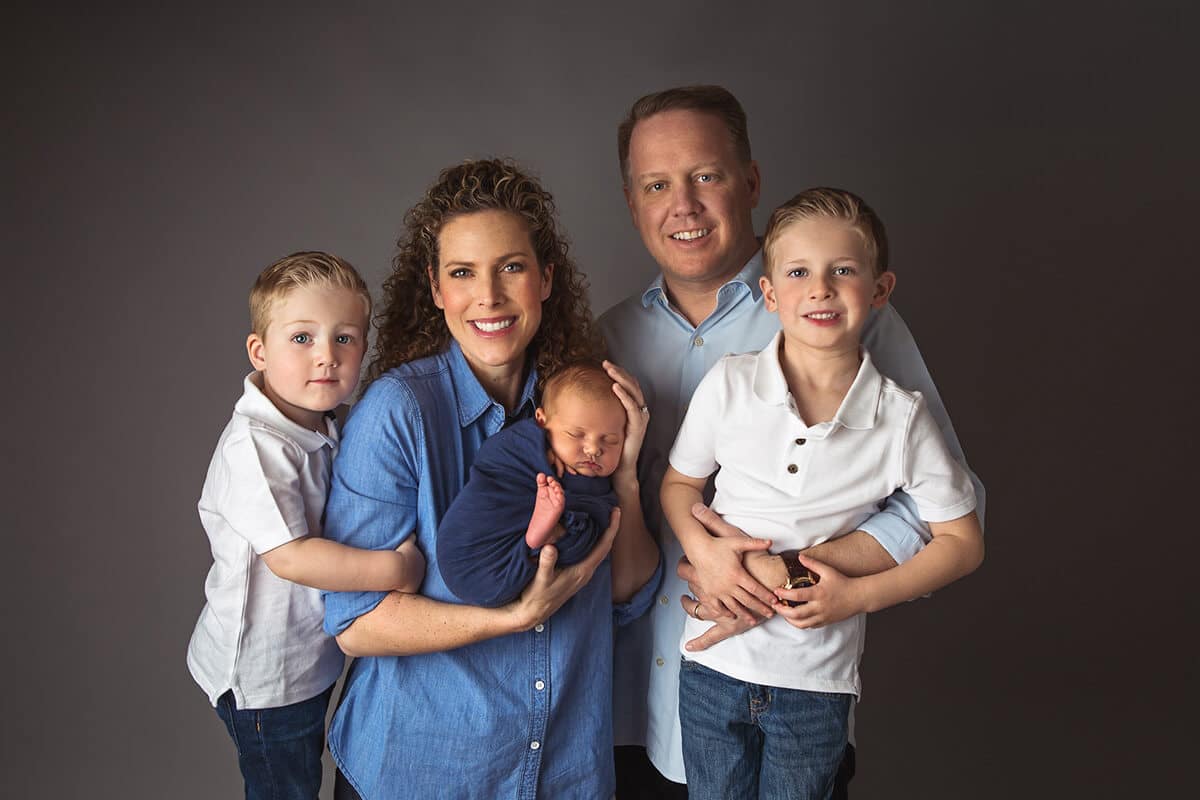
point(748, 741)
point(279, 749)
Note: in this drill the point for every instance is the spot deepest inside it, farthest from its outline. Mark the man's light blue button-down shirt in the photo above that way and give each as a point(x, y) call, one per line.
point(518, 716)
point(669, 356)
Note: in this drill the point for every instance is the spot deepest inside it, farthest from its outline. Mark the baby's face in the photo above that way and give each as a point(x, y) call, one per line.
point(586, 435)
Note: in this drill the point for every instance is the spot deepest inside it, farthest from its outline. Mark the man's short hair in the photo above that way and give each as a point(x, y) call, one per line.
point(716, 100)
point(585, 377)
point(306, 268)
point(823, 201)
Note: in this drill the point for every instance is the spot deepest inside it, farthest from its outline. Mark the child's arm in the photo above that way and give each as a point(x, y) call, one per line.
point(717, 559)
point(335, 567)
point(956, 551)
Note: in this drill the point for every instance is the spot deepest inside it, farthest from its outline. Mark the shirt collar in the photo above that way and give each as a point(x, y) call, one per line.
point(258, 407)
point(473, 399)
point(858, 407)
point(747, 277)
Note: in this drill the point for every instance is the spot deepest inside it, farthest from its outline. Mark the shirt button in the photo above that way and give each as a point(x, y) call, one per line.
point(792, 468)
point(800, 441)
point(659, 661)
point(540, 685)
point(539, 627)
point(663, 600)
point(534, 745)
point(699, 341)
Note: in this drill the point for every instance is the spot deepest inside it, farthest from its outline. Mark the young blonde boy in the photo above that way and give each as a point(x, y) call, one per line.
point(258, 650)
point(806, 439)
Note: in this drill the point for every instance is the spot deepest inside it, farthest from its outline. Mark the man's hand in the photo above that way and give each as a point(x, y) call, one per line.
point(833, 599)
point(720, 579)
point(722, 627)
point(552, 587)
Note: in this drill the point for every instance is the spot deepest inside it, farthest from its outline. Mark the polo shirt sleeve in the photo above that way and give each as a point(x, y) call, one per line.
point(261, 499)
point(695, 450)
point(373, 492)
point(939, 485)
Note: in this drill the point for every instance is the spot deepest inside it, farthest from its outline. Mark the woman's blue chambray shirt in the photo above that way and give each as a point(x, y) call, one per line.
point(519, 716)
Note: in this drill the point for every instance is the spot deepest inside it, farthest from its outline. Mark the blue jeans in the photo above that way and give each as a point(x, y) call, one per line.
point(748, 741)
point(279, 749)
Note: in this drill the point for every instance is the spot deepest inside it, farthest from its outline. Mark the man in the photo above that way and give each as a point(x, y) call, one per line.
point(691, 184)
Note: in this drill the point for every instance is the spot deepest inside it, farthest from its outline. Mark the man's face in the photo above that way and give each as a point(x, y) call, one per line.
point(690, 197)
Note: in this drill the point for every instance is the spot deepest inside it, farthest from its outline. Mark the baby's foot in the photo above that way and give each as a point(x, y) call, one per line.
point(546, 510)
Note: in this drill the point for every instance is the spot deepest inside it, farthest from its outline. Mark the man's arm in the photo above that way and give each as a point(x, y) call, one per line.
point(336, 567)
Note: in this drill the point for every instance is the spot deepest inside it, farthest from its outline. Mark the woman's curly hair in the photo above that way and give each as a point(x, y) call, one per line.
point(411, 326)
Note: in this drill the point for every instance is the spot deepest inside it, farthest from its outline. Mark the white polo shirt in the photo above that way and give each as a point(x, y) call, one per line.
point(800, 485)
point(259, 634)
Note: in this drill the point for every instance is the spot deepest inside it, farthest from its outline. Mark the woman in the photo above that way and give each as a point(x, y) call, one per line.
point(447, 699)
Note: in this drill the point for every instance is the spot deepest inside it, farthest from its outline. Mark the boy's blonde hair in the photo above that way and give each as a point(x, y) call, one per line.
point(306, 268)
point(823, 201)
point(584, 376)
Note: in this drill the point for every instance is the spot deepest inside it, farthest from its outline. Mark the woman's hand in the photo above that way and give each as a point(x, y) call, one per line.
point(637, 418)
point(552, 587)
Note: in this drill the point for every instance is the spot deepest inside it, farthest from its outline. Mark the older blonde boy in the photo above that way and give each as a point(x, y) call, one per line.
point(258, 650)
point(806, 439)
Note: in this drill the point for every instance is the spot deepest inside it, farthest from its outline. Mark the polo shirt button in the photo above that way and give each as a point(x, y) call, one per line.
point(539, 627)
point(540, 685)
point(699, 341)
point(534, 745)
point(792, 468)
point(659, 661)
point(800, 441)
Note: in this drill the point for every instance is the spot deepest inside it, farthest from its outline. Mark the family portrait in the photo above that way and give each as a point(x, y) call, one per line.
point(521, 404)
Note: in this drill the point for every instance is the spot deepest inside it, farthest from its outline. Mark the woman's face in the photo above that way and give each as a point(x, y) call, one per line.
point(491, 288)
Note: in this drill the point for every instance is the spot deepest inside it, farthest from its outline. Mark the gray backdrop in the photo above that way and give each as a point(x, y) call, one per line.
point(1035, 166)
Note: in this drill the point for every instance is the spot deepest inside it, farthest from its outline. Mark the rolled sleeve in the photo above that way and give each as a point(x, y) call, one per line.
point(898, 528)
point(643, 598)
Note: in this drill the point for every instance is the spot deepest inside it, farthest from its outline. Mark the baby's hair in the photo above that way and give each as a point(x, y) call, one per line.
point(306, 268)
point(585, 377)
point(823, 201)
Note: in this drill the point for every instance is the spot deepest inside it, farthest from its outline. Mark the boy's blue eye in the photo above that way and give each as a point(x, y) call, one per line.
point(301, 338)
point(344, 338)
point(798, 272)
point(843, 271)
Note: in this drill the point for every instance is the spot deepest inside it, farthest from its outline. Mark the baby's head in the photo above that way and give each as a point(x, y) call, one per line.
point(309, 314)
point(825, 264)
point(583, 419)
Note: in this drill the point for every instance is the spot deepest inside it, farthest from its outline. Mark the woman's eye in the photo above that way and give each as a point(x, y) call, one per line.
point(344, 338)
point(301, 338)
point(513, 266)
point(459, 272)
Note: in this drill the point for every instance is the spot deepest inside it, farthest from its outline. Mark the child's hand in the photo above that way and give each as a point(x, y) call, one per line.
point(835, 598)
point(412, 566)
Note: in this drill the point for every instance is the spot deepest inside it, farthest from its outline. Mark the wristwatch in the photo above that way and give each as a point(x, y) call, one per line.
point(799, 576)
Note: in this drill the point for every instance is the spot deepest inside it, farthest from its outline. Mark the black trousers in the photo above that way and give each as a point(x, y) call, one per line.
point(637, 778)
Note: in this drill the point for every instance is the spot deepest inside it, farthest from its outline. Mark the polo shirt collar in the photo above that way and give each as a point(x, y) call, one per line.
point(858, 407)
point(258, 407)
point(747, 277)
point(473, 399)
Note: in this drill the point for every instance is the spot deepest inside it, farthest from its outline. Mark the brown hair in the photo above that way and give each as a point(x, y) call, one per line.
point(716, 100)
point(411, 326)
point(840, 204)
point(586, 377)
point(306, 268)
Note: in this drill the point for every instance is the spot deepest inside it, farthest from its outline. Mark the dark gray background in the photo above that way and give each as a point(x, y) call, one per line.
point(1035, 165)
